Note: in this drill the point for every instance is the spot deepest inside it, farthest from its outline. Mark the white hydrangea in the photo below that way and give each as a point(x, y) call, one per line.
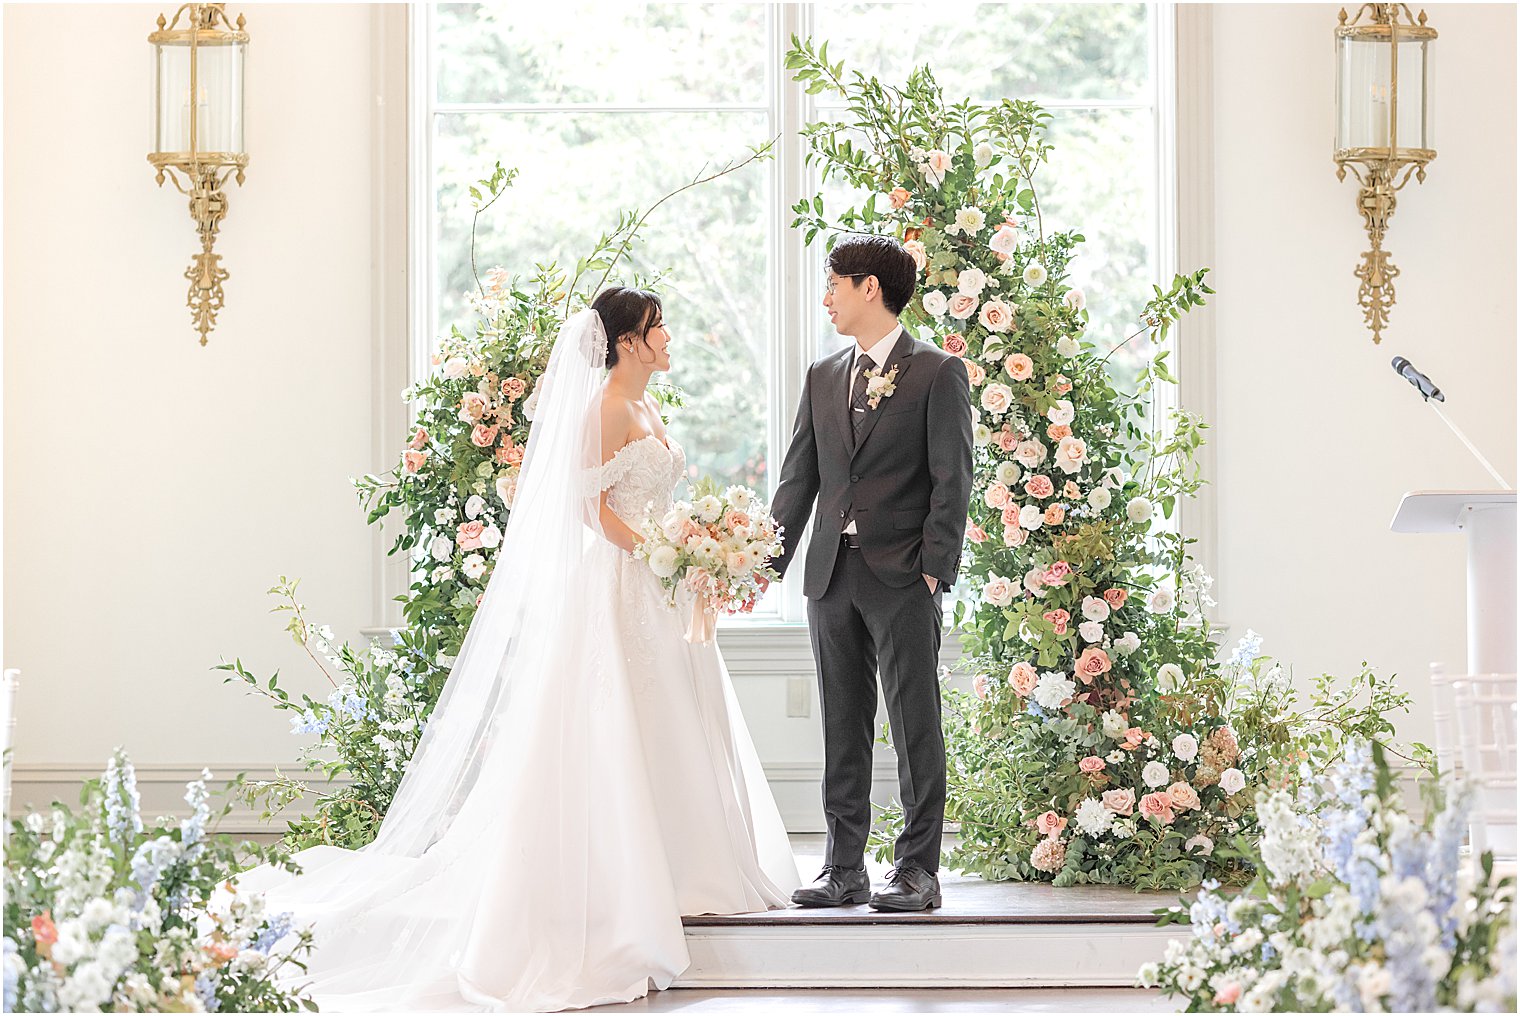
point(1093, 818)
point(1053, 688)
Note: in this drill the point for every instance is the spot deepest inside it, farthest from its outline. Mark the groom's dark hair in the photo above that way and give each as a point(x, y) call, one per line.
point(860, 254)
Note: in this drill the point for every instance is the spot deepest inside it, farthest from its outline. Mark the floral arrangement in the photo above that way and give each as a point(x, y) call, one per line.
point(105, 914)
point(1356, 907)
point(716, 546)
point(1096, 746)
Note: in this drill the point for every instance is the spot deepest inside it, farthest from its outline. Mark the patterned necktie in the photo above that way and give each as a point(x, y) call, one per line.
point(858, 397)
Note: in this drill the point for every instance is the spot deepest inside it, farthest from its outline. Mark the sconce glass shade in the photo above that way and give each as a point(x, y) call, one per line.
point(1384, 89)
point(214, 100)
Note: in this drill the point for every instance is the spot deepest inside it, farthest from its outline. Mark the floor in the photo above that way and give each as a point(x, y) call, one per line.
point(947, 1000)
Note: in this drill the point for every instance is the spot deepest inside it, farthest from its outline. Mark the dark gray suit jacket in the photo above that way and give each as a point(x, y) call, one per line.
point(908, 480)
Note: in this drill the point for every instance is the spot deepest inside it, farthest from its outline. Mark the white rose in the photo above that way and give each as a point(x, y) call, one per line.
point(1075, 299)
point(997, 397)
point(442, 548)
point(971, 281)
point(998, 591)
point(1091, 631)
point(1126, 643)
point(983, 155)
point(474, 566)
point(1184, 746)
point(936, 165)
point(1071, 452)
point(996, 316)
point(1034, 274)
point(662, 561)
point(1161, 601)
point(962, 306)
point(1061, 413)
point(916, 251)
point(1169, 679)
point(1114, 725)
point(1068, 346)
point(1030, 517)
point(1004, 241)
point(474, 506)
point(708, 508)
point(1113, 477)
point(1202, 843)
point(1155, 774)
point(981, 435)
point(969, 221)
point(1034, 581)
point(672, 524)
point(936, 303)
point(455, 367)
point(1008, 473)
point(506, 490)
point(490, 537)
point(1095, 608)
point(442, 574)
point(1232, 781)
point(1099, 498)
point(1029, 453)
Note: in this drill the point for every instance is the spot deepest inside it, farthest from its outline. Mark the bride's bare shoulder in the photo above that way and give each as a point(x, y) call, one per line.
point(617, 422)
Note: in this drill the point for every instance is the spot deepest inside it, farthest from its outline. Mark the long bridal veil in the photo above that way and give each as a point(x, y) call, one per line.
point(472, 828)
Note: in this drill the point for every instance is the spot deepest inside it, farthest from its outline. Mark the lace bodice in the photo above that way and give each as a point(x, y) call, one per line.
point(640, 472)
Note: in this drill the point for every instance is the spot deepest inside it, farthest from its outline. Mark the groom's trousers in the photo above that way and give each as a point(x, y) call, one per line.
point(860, 626)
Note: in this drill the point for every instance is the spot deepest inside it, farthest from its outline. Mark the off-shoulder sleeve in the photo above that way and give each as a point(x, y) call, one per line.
point(598, 478)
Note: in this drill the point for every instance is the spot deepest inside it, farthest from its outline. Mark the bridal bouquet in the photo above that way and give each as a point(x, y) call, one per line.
point(716, 546)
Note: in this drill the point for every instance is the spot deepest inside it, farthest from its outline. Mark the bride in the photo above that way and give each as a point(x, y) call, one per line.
point(586, 777)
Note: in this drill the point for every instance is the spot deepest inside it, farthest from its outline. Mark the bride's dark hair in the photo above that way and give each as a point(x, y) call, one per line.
point(624, 311)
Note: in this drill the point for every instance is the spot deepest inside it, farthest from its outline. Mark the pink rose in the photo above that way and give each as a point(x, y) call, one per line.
point(1115, 597)
point(918, 253)
point(1183, 795)
point(44, 932)
point(412, 460)
point(1050, 824)
point(1157, 805)
point(1133, 737)
point(1011, 515)
point(419, 439)
point(1229, 994)
point(996, 496)
point(955, 344)
point(1014, 536)
point(1022, 679)
point(1062, 386)
point(975, 533)
point(1120, 802)
point(1007, 440)
point(734, 519)
point(1019, 367)
point(979, 685)
point(975, 373)
point(513, 388)
point(1057, 573)
point(468, 536)
point(1092, 764)
point(1059, 618)
point(1039, 485)
point(1071, 491)
point(899, 197)
point(1055, 515)
point(999, 591)
point(962, 306)
point(1092, 663)
point(482, 436)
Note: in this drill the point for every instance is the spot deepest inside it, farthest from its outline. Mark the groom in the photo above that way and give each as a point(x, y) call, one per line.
point(883, 444)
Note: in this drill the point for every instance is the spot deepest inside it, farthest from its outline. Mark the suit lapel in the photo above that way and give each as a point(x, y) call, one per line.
point(840, 398)
point(902, 352)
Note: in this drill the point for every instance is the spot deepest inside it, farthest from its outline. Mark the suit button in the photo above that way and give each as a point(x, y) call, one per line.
point(855, 479)
point(841, 513)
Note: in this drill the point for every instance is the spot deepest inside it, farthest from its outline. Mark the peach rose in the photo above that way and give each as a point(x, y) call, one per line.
point(1071, 491)
point(502, 451)
point(1055, 515)
point(515, 455)
point(1019, 367)
point(979, 685)
point(975, 533)
point(482, 436)
point(1011, 515)
point(899, 196)
point(43, 930)
point(1014, 536)
point(1120, 802)
point(413, 460)
point(955, 344)
point(468, 537)
point(1115, 597)
point(513, 388)
point(1050, 824)
point(1183, 795)
point(975, 373)
point(1157, 805)
point(1039, 485)
point(996, 496)
point(1062, 385)
point(1059, 618)
point(1092, 764)
point(1229, 994)
point(1092, 663)
point(962, 306)
point(1056, 431)
point(221, 952)
point(1007, 440)
point(1133, 738)
point(1022, 679)
point(419, 439)
point(472, 407)
point(918, 253)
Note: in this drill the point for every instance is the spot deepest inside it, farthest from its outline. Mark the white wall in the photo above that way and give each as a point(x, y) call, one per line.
point(1316, 437)
point(155, 489)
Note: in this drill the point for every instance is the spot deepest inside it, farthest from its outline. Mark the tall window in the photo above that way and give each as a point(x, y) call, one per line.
point(605, 107)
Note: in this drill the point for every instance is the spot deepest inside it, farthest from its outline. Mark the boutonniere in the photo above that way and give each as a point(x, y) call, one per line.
point(880, 386)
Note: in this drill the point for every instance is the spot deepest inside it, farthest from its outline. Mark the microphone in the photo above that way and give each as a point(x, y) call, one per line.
point(1426, 387)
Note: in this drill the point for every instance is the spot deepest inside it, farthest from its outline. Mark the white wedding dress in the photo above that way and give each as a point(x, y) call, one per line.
point(614, 796)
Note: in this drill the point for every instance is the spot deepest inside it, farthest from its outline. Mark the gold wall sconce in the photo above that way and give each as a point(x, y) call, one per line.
point(1383, 130)
point(198, 132)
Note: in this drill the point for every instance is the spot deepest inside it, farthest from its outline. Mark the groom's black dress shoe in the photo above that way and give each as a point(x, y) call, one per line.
point(909, 887)
point(835, 887)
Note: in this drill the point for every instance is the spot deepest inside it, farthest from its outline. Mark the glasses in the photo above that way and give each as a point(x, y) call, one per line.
point(830, 281)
